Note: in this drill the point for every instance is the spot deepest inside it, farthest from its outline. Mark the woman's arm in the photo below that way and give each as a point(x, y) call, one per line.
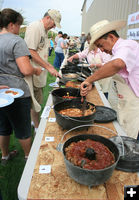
point(3, 86)
point(25, 66)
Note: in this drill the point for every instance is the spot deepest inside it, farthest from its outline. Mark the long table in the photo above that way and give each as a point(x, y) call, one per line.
point(53, 182)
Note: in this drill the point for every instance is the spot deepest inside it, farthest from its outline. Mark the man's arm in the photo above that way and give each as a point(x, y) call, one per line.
point(108, 69)
point(42, 63)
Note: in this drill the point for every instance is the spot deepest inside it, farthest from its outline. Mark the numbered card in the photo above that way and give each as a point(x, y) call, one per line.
point(52, 119)
point(45, 169)
point(49, 139)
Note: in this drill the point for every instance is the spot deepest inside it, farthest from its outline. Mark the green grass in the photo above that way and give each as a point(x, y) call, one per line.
point(11, 173)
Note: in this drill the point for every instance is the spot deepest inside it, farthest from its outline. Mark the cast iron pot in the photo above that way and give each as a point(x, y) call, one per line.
point(71, 69)
point(57, 94)
point(70, 122)
point(70, 76)
point(74, 62)
point(91, 177)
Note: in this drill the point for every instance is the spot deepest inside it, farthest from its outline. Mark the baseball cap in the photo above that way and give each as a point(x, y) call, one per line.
point(56, 16)
point(60, 32)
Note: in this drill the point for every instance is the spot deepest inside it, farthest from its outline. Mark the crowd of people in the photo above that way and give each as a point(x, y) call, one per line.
point(124, 70)
point(24, 65)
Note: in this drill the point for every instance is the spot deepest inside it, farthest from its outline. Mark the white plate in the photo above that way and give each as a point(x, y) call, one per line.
point(54, 84)
point(19, 92)
point(5, 100)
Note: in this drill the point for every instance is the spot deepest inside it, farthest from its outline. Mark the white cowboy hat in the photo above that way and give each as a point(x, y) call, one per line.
point(103, 27)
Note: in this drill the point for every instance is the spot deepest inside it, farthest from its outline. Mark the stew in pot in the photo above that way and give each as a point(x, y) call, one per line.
point(72, 84)
point(89, 154)
point(76, 112)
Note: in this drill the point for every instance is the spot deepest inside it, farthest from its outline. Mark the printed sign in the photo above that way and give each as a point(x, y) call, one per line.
point(133, 34)
point(133, 18)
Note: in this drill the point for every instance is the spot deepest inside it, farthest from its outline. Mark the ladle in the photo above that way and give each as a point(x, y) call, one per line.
point(62, 80)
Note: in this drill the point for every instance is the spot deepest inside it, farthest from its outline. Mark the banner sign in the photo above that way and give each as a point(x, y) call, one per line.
point(133, 18)
point(133, 34)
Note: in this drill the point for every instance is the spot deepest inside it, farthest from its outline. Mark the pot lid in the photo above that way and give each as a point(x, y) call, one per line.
point(129, 159)
point(105, 114)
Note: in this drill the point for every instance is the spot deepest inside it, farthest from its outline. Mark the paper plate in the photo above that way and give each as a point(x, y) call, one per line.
point(5, 100)
point(105, 114)
point(54, 84)
point(13, 92)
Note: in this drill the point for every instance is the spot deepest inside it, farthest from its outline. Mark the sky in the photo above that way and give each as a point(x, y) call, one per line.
point(33, 10)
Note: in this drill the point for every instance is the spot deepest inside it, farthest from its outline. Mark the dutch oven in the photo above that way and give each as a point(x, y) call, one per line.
point(57, 94)
point(74, 62)
point(68, 69)
point(67, 122)
point(63, 81)
point(86, 176)
point(70, 76)
point(71, 69)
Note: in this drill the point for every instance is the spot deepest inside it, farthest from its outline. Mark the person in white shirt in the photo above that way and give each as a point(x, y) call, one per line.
point(59, 35)
point(59, 53)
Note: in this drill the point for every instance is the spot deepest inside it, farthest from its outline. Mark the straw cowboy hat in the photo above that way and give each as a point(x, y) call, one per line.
point(103, 27)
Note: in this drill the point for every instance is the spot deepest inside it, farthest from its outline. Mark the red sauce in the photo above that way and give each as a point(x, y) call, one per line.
point(75, 153)
point(68, 97)
point(10, 91)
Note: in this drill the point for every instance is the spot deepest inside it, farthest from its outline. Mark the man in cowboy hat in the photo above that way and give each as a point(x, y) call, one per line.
point(36, 37)
point(82, 41)
point(125, 64)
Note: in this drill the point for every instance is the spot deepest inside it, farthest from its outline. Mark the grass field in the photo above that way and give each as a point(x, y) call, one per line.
point(11, 173)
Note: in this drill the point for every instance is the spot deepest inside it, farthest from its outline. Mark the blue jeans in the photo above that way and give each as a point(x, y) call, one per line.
point(50, 50)
point(59, 57)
